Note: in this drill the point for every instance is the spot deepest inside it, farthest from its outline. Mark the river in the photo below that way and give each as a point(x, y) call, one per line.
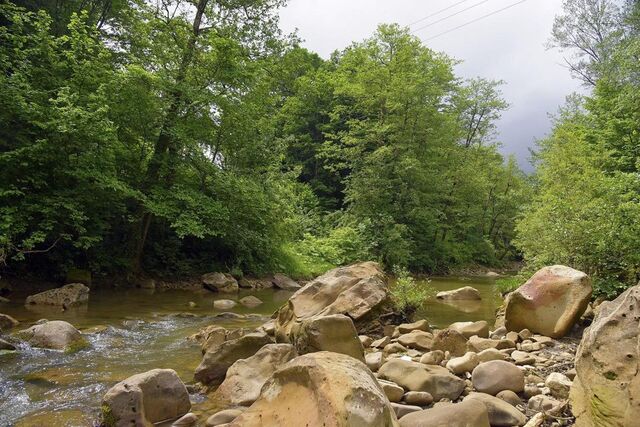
point(134, 330)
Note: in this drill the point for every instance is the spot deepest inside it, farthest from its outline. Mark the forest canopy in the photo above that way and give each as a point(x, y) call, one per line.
point(170, 137)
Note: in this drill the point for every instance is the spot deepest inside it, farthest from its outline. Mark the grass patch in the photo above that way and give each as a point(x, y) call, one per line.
point(508, 284)
point(406, 294)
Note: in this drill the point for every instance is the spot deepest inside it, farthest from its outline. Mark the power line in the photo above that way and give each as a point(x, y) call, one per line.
point(476, 20)
point(449, 16)
point(437, 13)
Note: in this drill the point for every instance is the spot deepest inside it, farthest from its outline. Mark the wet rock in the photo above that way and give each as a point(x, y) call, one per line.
point(66, 296)
point(358, 291)
point(607, 385)
point(250, 301)
point(470, 413)
point(56, 334)
point(245, 378)
point(509, 397)
point(223, 304)
point(462, 364)
point(392, 390)
point(501, 413)
point(7, 322)
point(223, 417)
point(497, 375)
point(318, 389)
point(449, 340)
point(216, 362)
point(146, 398)
point(419, 325)
point(550, 302)
point(414, 376)
point(334, 333)
point(220, 282)
point(469, 329)
point(419, 398)
point(417, 339)
point(434, 357)
point(466, 293)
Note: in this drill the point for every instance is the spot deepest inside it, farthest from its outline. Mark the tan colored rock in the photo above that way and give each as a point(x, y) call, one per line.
point(320, 389)
point(250, 301)
point(553, 407)
point(434, 357)
point(334, 333)
point(145, 399)
point(470, 413)
point(220, 282)
point(501, 413)
point(606, 389)
point(56, 335)
point(223, 417)
point(469, 329)
point(223, 304)
point(392, 390)
point(358, 291)
point(283, 282)
point(380, 343)
point(466, 293)
point(419, 398)
point(419, 325)
point(394, 347)
point(374, 360)
point(478, 344)
point(402, 409)
point(7, 322)
point(417, 339)
point(187, 420)
point(497, 375)
point(66, 296)
point(365, 340)
point(550, 302)
point(214, 364)
point(245, 378)
point(449, 340)
point(491, 354)
point(510, 397)
point(462, 364)
point(414, 376)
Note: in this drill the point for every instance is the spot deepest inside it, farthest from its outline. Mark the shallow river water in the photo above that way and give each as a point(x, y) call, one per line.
point(132, 331)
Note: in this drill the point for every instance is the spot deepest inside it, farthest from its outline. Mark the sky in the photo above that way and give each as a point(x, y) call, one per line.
point(508, 46)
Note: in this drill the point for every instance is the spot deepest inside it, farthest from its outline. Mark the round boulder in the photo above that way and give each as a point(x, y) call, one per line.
point(497, 375)
point(56, 335)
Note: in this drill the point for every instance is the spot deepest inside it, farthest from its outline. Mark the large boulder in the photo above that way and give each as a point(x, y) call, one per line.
point(466, 293)
point(220, 282)
point(66, 296)
point(334, 333)
point(468, 413)
point(145, 399)
point(550, 302)
point(501, 413)
point(245, 377)
point(606, 389)
point(218, 359)
point(414, 376)
point(320, 389)
point(357, 291)
point(56, 335)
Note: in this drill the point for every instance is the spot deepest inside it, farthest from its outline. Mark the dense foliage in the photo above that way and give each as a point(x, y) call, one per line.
point(173, 137)
point(586, 212)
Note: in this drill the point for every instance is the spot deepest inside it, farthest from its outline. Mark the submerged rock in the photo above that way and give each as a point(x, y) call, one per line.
point(466, 293)
point(66, 296)
point(606, 389)
point(223, 304)
point(320, 389)
point(550, 302)
point(145, 399)
point(56, 335)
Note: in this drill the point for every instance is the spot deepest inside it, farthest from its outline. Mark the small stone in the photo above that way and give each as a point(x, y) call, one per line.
point(434, 357)
point(469, 329)
point(380, 343)
point(571, 374)
point(513, 336)
point(250, 301)
point(450, 340)
point(462, 364)
point(5, 345)
point(223, 417)
point(419, 398)
point(509, 397)
point(402, 410)
point(186, 420)
point(365, 340)
point(559, 385)
point(393, 391)
point(491, 354)
point(546, 404)
point(525, 334)
point(498, 333)
point(417, 339)
point(497, 375)
point(522, 358)
point(394, 347)
point(374, 360)
point(420, 325)
point(531, 390)
point(501, 413)
point(223, 304)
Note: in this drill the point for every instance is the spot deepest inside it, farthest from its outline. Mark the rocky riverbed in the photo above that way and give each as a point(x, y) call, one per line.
point(333, 354)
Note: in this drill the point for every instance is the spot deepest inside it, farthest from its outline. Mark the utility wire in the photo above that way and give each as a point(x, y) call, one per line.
point(450, 16)
point(476, 20)
point(437, 13)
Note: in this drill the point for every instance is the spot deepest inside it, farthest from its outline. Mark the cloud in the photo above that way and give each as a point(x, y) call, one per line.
point(508, 46)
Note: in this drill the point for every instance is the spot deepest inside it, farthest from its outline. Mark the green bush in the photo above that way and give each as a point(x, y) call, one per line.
point(407, 295)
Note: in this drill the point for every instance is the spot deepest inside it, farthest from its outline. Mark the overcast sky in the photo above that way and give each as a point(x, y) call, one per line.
point(507, 46)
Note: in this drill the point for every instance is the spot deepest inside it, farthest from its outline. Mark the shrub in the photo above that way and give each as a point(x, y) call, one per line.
point(407, 295)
